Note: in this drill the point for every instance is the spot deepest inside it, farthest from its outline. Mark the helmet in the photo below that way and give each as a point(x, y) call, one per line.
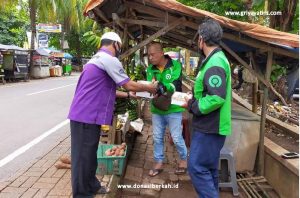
point(111, 36)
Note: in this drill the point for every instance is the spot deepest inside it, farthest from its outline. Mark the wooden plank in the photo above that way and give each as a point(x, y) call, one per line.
point(260, 45)
point(158, 13)
point(170, 40)
point(176, 35)
point(152, 37)
point(101, 15)
point(276, 151)
point(118, 21)
point(143, 22)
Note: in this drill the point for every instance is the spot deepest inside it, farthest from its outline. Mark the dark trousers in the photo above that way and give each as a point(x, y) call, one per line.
point(203, 163)
point(84, 145)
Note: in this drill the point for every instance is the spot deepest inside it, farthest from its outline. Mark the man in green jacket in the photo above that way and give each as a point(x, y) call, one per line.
point(168, 73)
point(211, 109)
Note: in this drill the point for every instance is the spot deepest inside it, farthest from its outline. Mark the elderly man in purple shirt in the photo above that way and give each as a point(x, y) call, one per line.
point(92, 106)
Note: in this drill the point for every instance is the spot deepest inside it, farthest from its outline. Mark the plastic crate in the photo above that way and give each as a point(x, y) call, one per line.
point(109, 165)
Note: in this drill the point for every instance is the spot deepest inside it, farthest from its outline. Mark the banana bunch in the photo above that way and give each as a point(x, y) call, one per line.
point(105, 128)
point(120, 106)
point(132, 109)
point(138, 72)
point(119, 125)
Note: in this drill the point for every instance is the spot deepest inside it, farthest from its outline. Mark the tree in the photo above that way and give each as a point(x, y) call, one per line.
point(287, 22)
point(13, 24)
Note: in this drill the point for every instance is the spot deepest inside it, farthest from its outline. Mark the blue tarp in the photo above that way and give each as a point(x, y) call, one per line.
point(68, 56)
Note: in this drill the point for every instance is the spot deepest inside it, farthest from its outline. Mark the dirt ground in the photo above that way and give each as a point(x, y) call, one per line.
point(287, 142)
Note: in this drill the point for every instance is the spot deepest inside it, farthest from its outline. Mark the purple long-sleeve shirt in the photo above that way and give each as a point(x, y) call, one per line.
point(95, 94)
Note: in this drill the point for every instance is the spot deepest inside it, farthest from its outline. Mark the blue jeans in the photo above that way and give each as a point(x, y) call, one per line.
point(203, 163)
point(159, 123)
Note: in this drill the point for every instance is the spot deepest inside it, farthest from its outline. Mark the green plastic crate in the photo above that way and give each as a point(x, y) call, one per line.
point(108, 165)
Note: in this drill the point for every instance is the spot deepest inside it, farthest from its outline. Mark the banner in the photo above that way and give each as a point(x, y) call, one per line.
point(51, 28)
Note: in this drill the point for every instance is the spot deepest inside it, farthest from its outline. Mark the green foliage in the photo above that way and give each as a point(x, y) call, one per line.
point(277, 72)
point(76, 42)
point(218, 7)
point(296, 21)
point(137, 74)
point(13, 25)
point(169, 49)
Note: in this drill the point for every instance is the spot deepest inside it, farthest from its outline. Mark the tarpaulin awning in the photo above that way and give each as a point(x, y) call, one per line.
point(42, 52)
point(140, 18)
point(11, 47)
point(256, 31)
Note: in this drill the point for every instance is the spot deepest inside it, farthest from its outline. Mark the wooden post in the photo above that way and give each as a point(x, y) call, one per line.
point(254, 86)
point(261, 164)
point(187, 62)
point(112, 130)
point(254, 96)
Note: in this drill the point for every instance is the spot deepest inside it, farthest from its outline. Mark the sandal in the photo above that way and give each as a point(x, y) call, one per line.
point(155, 172)
point(180, 170)
point(103, 190)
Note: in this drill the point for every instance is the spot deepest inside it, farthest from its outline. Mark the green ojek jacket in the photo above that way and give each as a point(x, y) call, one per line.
point(171, 78)
point(211, 104)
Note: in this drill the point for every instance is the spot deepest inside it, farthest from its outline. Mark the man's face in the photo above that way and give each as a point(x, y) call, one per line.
point(155, 55)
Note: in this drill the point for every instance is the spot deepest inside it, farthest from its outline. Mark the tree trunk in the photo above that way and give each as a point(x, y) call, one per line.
point(78, 49)
point(62, 38)
point(274, 19)
point(32, 7)
point(288, 15)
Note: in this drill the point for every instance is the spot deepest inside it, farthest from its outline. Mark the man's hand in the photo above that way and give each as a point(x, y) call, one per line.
point(187, 99)
point(152, 88)
point(133, 95)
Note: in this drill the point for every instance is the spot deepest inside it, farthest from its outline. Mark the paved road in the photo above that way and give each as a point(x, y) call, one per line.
point(32, 120)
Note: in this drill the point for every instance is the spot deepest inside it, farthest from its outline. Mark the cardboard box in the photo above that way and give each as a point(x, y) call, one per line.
point(144, 94)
